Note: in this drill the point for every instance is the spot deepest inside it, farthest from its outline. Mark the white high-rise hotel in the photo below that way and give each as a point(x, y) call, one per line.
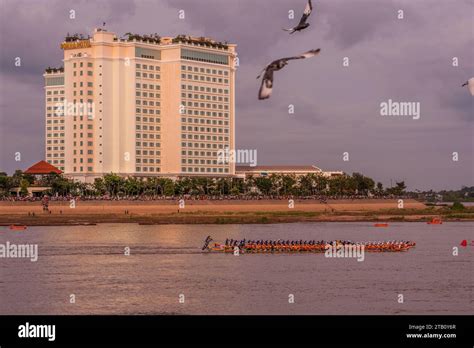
point(141, 106)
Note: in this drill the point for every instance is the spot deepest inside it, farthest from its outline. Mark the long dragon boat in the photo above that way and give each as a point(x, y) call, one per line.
point(286, 246)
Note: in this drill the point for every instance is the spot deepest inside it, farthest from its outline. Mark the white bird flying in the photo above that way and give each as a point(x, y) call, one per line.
point(267, 81)
point(302, 24)
point(470, 85)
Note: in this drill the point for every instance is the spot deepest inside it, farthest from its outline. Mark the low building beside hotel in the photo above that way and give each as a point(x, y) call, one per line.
point(246, 171)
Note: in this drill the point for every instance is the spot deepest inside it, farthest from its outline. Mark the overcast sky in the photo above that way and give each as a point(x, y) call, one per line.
point(336, 108)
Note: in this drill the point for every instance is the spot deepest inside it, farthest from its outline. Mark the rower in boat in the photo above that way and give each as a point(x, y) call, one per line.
point(305, 246)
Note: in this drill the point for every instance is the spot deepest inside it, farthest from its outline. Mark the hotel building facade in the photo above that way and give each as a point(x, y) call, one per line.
point(142, 106)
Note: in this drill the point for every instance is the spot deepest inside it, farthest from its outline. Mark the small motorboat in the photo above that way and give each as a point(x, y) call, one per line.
point(381, 224)
point(18, 227)
point(435, 221)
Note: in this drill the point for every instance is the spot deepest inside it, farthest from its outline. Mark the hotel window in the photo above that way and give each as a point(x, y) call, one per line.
point(89, 65)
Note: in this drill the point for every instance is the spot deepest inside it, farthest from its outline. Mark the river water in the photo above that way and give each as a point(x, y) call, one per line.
point(165, 266)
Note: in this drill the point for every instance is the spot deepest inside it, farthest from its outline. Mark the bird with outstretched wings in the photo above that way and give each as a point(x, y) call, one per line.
point(267, 80)
point(302, 24)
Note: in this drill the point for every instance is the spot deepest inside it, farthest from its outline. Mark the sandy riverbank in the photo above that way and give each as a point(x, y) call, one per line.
point(166, 212)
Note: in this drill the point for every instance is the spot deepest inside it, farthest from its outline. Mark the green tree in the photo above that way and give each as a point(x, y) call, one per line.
point(306, 185)
point(16, 178)
point(398, 190)
point(287, 185)
point(379, 191)
point(60, 185)
point(24, 184)
point(264, 184)
point(363, 183)
point(249, 184)
point(99, 186)
point(169, 188)
point(6, 184)
point(223, 186)
point(113, 184)
point(458, 206)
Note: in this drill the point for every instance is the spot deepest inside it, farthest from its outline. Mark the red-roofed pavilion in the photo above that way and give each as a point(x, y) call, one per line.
point(42, 168)
point(39, 171)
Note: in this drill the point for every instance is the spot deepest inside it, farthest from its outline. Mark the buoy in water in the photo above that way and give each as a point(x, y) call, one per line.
point(435, 221)
point(464, 243)
point(17, 227)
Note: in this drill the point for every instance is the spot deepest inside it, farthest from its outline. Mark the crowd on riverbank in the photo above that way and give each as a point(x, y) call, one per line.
point(321, 198)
